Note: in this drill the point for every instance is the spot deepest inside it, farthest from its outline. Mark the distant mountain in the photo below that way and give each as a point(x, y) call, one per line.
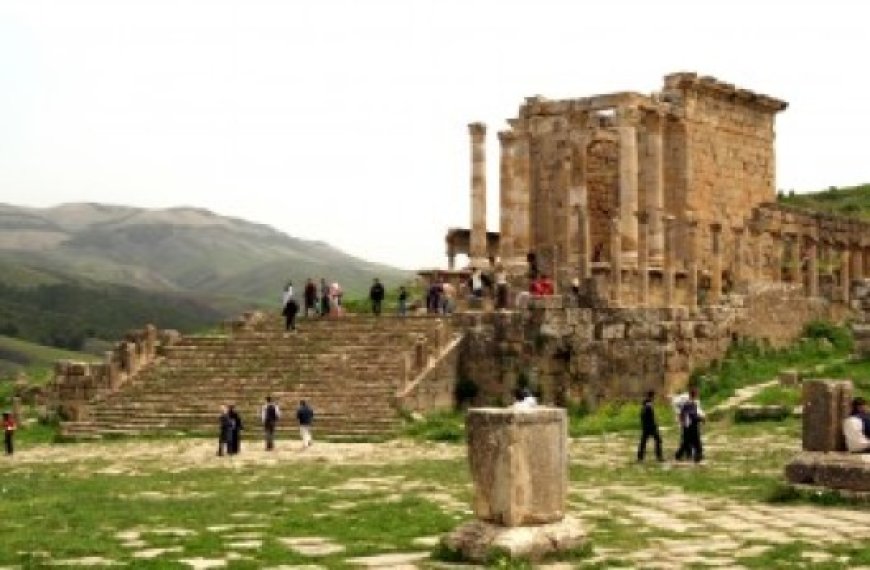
point(187, 250)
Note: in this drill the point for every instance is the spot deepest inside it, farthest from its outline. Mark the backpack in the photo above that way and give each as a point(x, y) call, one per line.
point(271, 414)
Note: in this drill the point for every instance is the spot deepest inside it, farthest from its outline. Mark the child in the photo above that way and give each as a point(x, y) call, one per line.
point(8, 431)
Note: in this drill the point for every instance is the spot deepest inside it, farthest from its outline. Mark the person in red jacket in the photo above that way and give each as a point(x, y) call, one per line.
point(8, 431)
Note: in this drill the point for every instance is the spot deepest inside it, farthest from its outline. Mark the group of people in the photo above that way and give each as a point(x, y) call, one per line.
point(230, 426)
point(689, 415)
point(318, 301)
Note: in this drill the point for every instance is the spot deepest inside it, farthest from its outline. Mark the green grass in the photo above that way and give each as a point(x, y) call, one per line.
point(851, 201)
point(777, 395)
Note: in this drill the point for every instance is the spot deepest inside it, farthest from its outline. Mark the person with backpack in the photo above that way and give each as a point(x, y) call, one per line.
point(649, 427)
point(9, 427)
point(305, 416)
point(270, 416)
point(376, 295)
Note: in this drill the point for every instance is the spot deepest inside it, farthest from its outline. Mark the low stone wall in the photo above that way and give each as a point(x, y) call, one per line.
point(75, 383)
point(592, 355)
point(433, 387)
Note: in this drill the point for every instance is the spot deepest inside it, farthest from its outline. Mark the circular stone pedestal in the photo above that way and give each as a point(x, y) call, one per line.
point(479, 541)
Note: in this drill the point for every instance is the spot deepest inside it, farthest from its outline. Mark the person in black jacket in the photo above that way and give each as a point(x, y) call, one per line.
point(376, 295)
point(691, 418)
point(225, 431)
point(305, 415)
point(234, 444)
point(649, 428)
point(291, 308)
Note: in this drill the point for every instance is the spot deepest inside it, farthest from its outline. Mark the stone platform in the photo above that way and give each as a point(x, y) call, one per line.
point(834, 470)
point(480, 541)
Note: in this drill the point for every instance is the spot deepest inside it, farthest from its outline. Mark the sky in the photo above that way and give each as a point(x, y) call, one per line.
point(346, 120)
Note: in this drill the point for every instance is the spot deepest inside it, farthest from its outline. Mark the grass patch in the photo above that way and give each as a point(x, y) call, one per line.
point(441, 426)
point(776, 395)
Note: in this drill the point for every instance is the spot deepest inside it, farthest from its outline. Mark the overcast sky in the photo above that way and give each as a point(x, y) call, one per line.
point(346, 120)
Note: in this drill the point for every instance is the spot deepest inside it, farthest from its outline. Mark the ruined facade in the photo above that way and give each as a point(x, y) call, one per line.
point(661, 202)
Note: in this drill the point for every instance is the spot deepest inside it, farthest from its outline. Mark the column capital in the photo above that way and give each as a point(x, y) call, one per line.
point(507, 137)
point(478, 129)
point(628, 116)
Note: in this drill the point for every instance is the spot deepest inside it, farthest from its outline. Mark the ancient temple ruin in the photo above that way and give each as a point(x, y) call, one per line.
point(650, 199)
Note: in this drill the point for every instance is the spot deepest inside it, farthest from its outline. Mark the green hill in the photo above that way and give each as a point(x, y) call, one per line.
point(852, 201)
point(35, 360)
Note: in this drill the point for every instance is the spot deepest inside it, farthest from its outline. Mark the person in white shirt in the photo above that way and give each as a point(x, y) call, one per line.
point(855, 428)
point(287, 294)
point(525, 400)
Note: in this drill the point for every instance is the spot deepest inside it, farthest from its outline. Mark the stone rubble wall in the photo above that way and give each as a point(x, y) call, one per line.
point(430, 373)
point(75, 383)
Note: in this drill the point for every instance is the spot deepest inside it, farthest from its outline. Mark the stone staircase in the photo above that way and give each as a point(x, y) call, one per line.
point(349, 369)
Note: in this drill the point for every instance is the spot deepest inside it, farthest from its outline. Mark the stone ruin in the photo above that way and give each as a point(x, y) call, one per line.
point(75, 383)
point(519, 468)
point(824, 462)
point(663, 207)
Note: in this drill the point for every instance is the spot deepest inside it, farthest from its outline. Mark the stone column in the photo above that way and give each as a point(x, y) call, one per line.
point(655, 193)
point(506, 197)
point(692, 269)
point(477, 247)
point(522, 195)
point(519, 469)
point(583, 239)
point(643, 219)
point(615, 261)
point(628, 172)
point(569, 203)
point(669, 260)
point(716, 270)
point(844, 274)
point(737, 272)
point(812, 267)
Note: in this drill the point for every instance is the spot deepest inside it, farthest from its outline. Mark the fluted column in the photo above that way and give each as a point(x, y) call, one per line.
point(615, 261)
point(643, 219)
point(655, 193)
point(668, 262)
point(692, 269)
point(477, 245)
point(522, 196)
point(628, 172)
point(716, 270)
point(506, 197)
point(583, 239)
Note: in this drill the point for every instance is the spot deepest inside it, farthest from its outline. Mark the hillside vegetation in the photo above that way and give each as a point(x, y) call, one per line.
point(853, 201)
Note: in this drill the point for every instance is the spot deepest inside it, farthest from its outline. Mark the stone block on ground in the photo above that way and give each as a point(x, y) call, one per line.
point(826, 404)
point(519, 464)
point(479, 541)
point(789, 378)
point(841, 471)
point(757, 413)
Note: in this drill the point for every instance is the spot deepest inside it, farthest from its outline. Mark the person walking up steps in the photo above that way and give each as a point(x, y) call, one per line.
point(649, 427)
point(305, 416)
point(270, 415)
point(376, 295)
point(8, 432)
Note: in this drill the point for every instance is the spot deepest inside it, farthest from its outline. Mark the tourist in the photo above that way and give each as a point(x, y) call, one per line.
point(402, 309)
point(234, 444)
point(476, 283)
point(287, 293)
point(525, 400)
point(546, 285)
point(270, 416)
point(501, 288)
point(433, 297)
point(854, 428)
point(575, 291)
point(305, 416)
point(649, 427)
point(691, 418)
point(8, 432)
point(225, 428)
point(376, 296)
point(448, 298)
point(536, 287)
point(324, 298)
point(310, 298)
point(336, 293)
point(291, 308)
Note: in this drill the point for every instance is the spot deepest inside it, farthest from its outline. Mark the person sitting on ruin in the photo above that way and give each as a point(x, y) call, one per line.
point(525, 400)
point(547, 287)
point(536, 287)
point(476, 282)
point(9, 427)
point(854, 428)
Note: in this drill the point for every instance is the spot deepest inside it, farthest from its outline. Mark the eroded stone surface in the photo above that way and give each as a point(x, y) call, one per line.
point(476, 540)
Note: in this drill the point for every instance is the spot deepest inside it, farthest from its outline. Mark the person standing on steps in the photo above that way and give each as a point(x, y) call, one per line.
point(234, 445)
point(270, 416)
point(290, 310)
point(376, 296)
point(691, 418)
point(649, 427)
point(305, 416)
point(8, 432)
point(310, 294)
point(225, 431)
